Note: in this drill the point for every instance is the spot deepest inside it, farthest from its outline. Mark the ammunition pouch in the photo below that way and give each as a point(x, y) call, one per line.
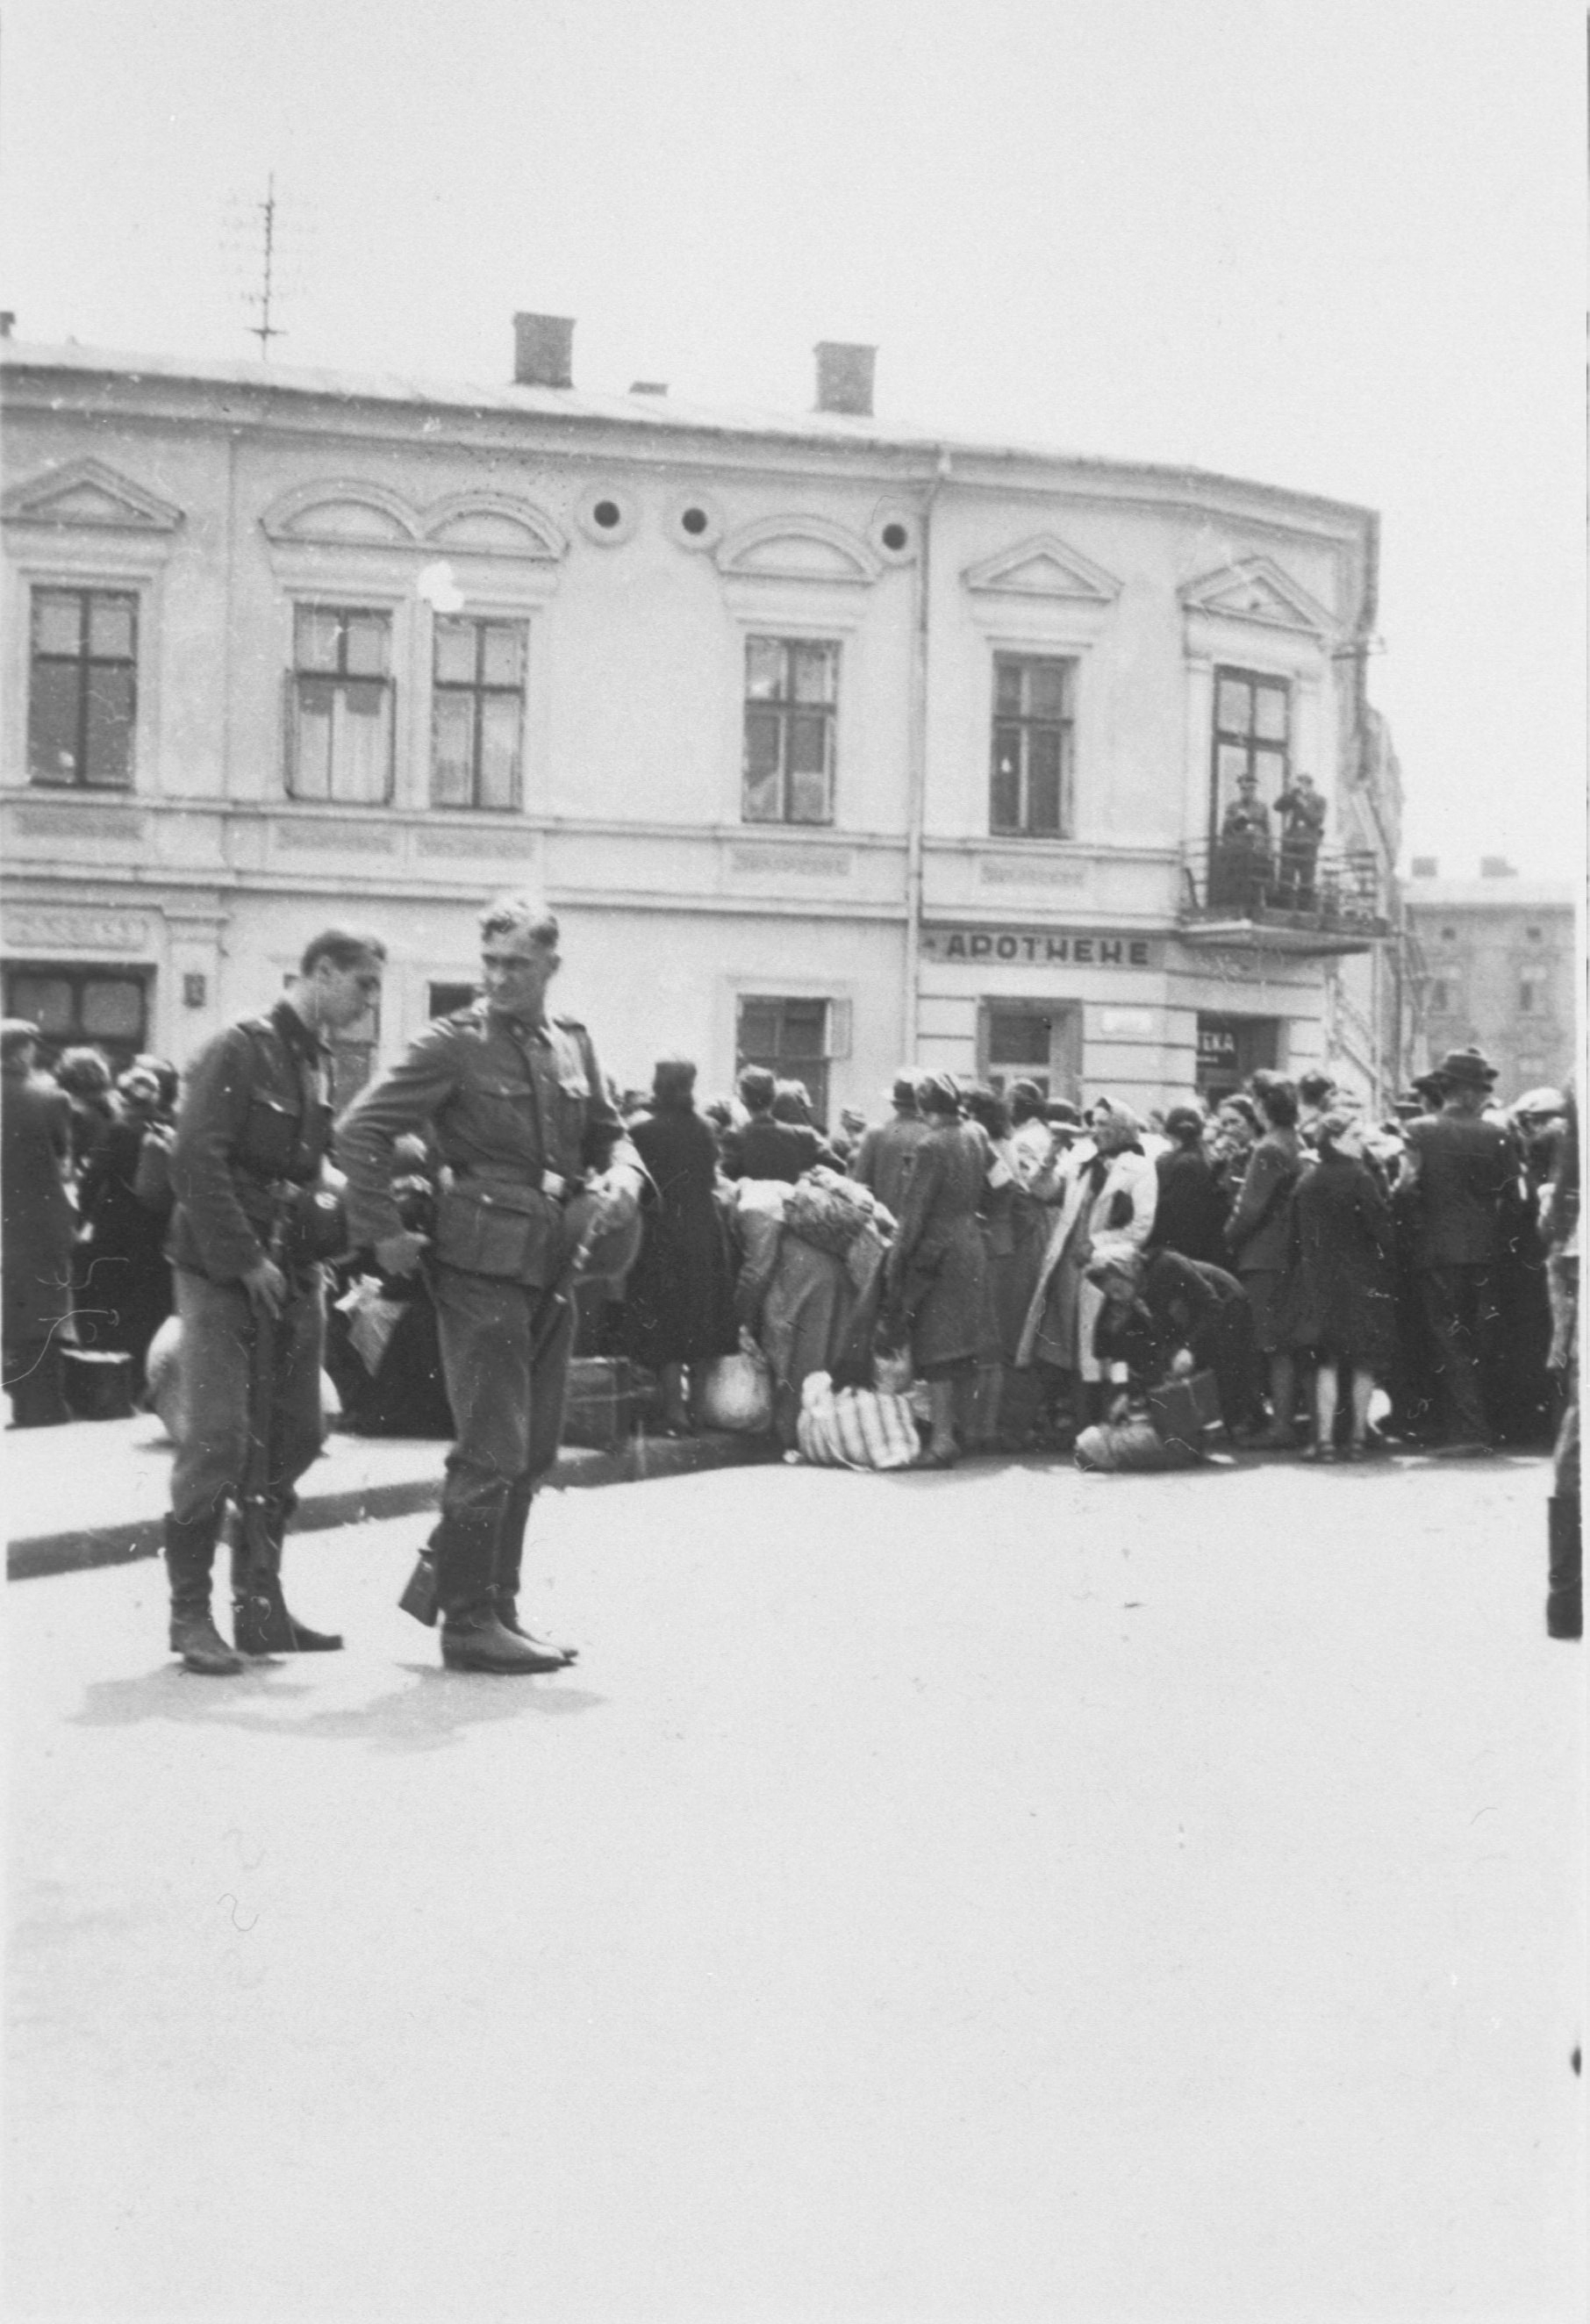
point(313, 1225)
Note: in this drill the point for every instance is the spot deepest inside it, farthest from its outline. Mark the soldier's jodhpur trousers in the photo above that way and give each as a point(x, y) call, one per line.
point(218, 1355)
point(505, 1356)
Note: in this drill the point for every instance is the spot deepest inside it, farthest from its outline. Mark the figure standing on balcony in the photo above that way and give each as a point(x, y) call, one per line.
point(1301, 811)
point(1241, 870)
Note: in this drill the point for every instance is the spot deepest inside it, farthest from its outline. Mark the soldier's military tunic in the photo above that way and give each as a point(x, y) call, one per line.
point(255, 1118)
point(518, 1113)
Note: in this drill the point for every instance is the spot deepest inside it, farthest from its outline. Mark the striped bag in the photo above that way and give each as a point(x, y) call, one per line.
point(854, 1427)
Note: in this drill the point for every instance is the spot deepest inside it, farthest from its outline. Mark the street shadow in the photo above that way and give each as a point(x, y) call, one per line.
point(434, 1708)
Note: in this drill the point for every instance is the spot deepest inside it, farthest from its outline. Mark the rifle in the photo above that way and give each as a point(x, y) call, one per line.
point(255, 1512)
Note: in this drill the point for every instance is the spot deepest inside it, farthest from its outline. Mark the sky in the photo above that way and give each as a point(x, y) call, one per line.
point(1333, 244)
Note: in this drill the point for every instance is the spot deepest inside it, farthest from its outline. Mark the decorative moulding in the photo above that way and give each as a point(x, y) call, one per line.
point(86, 493)
point(1256, 589)
point(342, 514)
point(494, 524)
point(798, 549)
point(1043, 566)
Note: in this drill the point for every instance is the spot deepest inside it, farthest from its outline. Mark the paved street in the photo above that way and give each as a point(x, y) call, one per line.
point(1007, 1894)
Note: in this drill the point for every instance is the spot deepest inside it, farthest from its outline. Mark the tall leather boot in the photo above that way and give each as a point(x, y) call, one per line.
point(260, 1623)
point(1564, 1605)
point(465, 1552)
point(190, 1549)
point(510, 1548)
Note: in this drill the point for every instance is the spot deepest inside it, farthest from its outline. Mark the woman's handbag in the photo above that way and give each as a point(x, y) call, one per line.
point(735, 1393)
point(854, 1427)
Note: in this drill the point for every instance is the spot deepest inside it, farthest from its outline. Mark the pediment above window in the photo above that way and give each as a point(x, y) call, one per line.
point(1043, 566)
point(86, 493)
point(1256, 590)
point(798, 549)
point(494, 524)
point(342, 515)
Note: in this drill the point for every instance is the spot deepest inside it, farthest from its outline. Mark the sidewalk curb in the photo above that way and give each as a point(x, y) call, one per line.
point(641, 1460)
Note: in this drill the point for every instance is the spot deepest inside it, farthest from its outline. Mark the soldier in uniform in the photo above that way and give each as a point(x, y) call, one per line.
point(244, 1168)
point(535, 1167)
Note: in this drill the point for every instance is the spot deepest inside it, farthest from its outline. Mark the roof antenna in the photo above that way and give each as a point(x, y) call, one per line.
point(255, 234)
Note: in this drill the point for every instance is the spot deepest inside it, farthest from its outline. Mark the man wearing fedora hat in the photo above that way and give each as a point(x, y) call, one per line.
point(1460, 1168)
point(538, 1183)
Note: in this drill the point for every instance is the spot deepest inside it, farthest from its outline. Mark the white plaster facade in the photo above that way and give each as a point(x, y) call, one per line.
point(639, 544)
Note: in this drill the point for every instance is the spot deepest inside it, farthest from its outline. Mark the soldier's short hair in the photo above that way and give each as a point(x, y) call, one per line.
point(506, 914)
point(344, 948)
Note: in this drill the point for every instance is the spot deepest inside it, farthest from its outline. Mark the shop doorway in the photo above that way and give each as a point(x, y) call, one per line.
point(1032, 1041)
point(1230, 1048)
point(77, 1007)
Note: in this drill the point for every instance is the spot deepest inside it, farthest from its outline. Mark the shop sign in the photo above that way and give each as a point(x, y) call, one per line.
point(66, 932)
point(1042, 947)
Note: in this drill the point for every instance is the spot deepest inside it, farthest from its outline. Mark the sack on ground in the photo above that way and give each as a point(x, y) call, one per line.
point(734, 1393)
point(1125, 1445)
point(1182, 1409)
point(854, 1427)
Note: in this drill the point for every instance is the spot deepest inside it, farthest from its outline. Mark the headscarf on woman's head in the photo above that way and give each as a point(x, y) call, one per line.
point(1122, 1116)
point(938, 1094)
point(1127, 1263)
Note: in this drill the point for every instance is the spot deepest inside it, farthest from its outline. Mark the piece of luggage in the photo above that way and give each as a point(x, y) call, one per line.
point(97, 1383)
point(734, 1393)
point(602, 1404)
point(854, 1427)
point(1183, 1409)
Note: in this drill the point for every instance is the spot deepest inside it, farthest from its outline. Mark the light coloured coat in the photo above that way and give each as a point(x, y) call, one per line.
point(1065, 1185)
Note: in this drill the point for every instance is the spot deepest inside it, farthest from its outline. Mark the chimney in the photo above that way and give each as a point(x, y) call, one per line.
point(1496, 867)
point(845, 377)
point(648, 387)
point(543, 349)
point(1425, 867)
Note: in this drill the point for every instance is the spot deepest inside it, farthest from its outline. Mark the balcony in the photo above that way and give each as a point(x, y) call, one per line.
point(1239, 900)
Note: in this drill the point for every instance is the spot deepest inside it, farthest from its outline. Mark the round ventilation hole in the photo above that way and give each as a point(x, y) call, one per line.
point(695, 520)
point(896, 537)
point(607, 513)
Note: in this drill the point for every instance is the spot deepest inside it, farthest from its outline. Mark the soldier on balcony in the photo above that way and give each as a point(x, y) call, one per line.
point(1301, 811)
point(1241, 870)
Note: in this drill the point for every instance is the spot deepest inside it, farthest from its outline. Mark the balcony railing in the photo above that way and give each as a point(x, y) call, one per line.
point(1281, 900)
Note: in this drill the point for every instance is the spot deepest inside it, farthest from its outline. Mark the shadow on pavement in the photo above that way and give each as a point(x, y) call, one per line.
point(433, 1710)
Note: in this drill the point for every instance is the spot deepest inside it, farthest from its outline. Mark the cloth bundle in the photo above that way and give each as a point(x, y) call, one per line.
point(735, 1393)
point(854, 1427)
point(830, 1211)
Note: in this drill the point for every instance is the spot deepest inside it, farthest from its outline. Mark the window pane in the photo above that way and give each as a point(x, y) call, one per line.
point(761, 801)
point(57, 622)
point(804, 1024)
point(455, 646)
point(758, 1029)
point(1017, 1038)
point(1007, 685)
point(1269, 713)
point(315, 630)
point(110, 725)
point(452, 732)
point(1233, 763)
point(1270, 766)
point(52, 722)
point(1043, 779)
point(808, 768)
point(113, 1006)
point(367, 644)
point(1004, 789)
point(504, 662)
point(499, 751)
point(364, 697)
point(361, 743)
point(814, 673)
point(110, 627)
point(1233, 713)
point(312, 758)
point(47, 1001)
point(808, 798)
point(764, 669)
point(1046, 689)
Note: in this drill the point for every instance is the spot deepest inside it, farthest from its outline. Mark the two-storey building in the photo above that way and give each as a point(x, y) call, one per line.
point(831, 743)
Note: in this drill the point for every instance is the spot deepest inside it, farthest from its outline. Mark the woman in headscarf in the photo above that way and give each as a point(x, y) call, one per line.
point(1339, 1302)
point(1102, 1196)
point(679, 1302)
point(936, 1273)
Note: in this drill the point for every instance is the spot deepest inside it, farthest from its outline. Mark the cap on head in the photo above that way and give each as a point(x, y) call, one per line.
point(1464, 1069)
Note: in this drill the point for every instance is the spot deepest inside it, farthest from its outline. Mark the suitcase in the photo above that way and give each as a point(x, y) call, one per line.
point(602, 1408)
point(97, 1383)
point(1181, 1410)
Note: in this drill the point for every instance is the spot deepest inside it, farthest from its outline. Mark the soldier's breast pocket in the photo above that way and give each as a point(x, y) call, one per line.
point(269, 1135)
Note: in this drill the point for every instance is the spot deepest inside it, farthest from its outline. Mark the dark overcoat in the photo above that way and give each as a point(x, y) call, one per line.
point(1340, 1298)
point(679, 1302)
point(40, 1222)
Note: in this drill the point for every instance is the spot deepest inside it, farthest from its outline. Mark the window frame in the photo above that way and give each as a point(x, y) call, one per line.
point(479, 689)
point(1025, 659)
point(1061, 1071)
point(343, 609)
point(80, 973)
point(84, 662)
point(784, 708)
point(784, 1064)
point(1258, 749)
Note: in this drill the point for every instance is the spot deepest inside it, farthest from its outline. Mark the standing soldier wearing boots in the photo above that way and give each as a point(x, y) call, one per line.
point(250, 1145)
point(536, 1168)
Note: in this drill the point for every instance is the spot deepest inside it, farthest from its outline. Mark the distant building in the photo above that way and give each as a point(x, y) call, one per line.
point(1500, 968)
point(832, 744)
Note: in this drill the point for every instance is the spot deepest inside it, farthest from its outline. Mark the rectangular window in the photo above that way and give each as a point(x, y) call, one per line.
point(791, 701)
point(83, 687)
point(1230, 1048)
point(1253, 737)
point(791, 1038)
point(1034, 1041)
point(106, 1008)
point(341, 741)
point(1029, 776)
point(477, 712)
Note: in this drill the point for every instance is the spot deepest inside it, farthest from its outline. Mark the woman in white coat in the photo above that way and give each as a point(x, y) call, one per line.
point(1103, 1194)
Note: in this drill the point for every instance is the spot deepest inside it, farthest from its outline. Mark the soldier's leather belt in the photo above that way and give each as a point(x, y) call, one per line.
point(558, 1189)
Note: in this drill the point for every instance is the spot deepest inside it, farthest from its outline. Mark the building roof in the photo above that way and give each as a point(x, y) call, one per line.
point(1516, 895)
point(660, 414)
